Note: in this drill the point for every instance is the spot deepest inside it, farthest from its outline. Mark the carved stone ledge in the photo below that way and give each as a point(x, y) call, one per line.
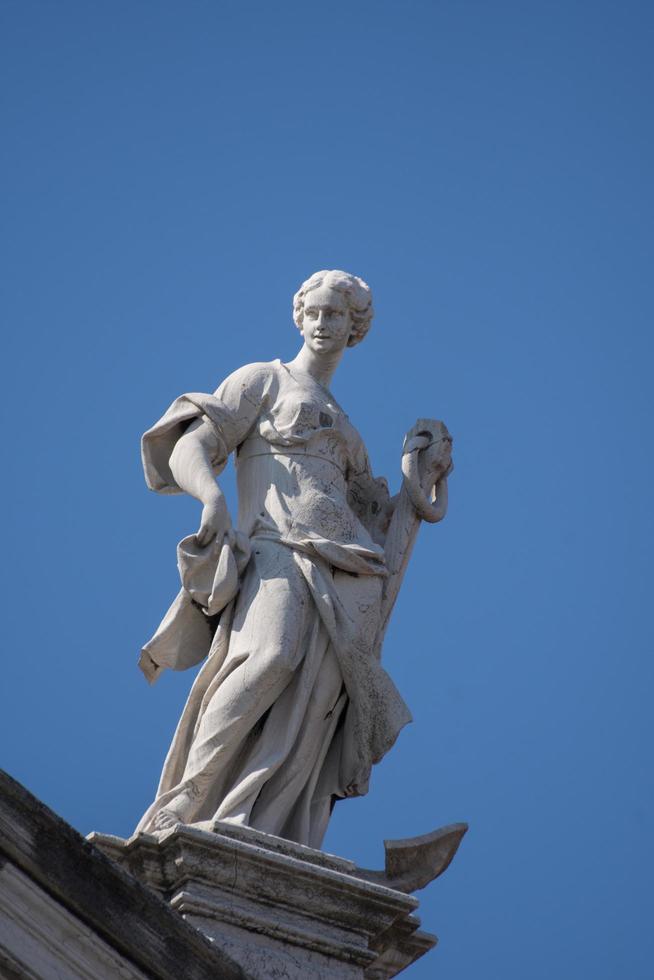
point(67, 911)
point(278, 908)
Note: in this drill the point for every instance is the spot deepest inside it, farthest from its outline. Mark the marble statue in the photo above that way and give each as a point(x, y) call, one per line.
point(288, 607)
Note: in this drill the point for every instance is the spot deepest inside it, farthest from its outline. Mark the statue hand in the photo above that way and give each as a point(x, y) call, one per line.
point(215, 520)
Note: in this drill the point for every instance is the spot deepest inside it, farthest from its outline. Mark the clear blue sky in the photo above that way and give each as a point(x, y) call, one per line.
point(171, 173)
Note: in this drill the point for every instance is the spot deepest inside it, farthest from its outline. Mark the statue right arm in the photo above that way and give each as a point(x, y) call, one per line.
point(191, 465)
point(193, 461)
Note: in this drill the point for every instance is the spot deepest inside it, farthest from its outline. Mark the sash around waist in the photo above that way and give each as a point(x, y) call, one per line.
point(261, 447)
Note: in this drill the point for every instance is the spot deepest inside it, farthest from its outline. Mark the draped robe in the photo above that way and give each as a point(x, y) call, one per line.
point(291, 707)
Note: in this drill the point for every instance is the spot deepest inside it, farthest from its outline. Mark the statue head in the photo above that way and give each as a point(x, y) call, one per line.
point(355, 291)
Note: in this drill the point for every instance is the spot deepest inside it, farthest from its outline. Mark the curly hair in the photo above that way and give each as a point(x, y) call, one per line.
point(356, 292)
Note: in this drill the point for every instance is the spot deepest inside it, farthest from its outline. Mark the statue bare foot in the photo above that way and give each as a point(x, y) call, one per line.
point(165, 819)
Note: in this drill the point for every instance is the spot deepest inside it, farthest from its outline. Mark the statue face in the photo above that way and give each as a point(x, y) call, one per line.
point(327, 323)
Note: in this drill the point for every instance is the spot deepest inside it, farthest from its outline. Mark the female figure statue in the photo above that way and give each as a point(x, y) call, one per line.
point(292, 706)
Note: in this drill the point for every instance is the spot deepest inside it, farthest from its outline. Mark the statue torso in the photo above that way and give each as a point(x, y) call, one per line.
point(293, 471)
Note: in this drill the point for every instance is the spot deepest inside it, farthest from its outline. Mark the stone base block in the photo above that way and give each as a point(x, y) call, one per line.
point(280, 909)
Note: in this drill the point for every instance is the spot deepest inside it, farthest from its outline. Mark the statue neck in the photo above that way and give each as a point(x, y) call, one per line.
point(321, 367)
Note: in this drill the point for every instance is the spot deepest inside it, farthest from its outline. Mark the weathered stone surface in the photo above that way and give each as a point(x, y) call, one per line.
point(66, 910)
point(292, 706)
point(44, 939)
point(280, 909)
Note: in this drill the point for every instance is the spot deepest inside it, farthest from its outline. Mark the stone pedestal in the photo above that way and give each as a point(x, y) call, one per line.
point(279, 909)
